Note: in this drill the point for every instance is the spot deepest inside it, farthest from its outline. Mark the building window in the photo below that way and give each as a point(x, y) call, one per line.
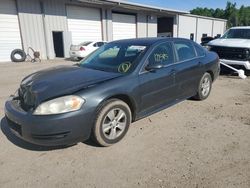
point(192, 36)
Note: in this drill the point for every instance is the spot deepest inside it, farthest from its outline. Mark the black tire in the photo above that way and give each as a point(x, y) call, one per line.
point(201, 95)
point(98, 134)
point(21, 53)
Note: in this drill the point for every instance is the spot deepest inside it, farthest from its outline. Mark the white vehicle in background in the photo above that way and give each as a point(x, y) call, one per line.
point(233, 48)
point(82, 50)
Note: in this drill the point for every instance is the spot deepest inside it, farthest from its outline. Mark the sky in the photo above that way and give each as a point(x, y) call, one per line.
point(188, 5)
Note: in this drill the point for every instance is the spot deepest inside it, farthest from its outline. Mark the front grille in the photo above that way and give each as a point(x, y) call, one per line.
point(231, 53)
point(51, 136)
point(16, 127)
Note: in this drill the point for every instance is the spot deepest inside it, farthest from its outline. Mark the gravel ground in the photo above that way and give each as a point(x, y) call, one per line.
point(192, 144)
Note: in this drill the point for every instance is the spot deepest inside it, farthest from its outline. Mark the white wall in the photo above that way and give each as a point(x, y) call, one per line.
point(55, 20)
point(152, 26)
point(31, 24)
point(141, 25)
point(187, 25)
point(205, 26)
point(9, 29)
point(218, 28)
point(175, 27)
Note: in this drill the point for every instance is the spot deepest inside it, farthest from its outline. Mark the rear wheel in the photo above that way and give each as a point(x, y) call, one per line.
point(205, 87)
point(112, 122)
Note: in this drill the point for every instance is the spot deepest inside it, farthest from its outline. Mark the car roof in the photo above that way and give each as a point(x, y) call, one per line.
point(241, 27)
point(149, 41)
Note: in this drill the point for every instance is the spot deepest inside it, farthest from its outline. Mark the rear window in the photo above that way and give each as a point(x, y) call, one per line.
point(185, 50)
point(199, 50)
point(85, 43)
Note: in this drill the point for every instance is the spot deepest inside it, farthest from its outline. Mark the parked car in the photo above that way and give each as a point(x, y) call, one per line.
point(233, 47)
point(206, 40)
point(82, 50)
point(121, 82)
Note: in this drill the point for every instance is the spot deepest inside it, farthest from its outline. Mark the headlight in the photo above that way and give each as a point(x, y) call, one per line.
point(60, 105)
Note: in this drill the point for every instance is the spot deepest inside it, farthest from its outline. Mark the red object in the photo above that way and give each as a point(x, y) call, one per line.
point(82, 48)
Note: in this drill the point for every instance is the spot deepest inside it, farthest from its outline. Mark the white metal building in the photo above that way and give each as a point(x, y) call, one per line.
point(51, 26)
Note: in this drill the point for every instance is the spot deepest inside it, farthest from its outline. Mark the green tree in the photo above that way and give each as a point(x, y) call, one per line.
point(219, 13)
point(231, 14)
point(235, 17)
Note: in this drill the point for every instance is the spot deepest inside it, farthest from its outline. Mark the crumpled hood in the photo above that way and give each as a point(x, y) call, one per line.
point(58, 81)
point(241, 43)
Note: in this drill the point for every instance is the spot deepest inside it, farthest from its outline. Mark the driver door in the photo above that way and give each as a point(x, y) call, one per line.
point(157, 87)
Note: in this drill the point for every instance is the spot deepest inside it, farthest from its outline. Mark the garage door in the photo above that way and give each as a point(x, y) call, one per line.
point(187, 27)
point(124, 26)
point(204, 28)
point(84, 24)
point(9, 29)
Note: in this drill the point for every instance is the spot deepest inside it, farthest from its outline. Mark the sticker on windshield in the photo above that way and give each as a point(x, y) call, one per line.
point(139, 48)
point(124, 67)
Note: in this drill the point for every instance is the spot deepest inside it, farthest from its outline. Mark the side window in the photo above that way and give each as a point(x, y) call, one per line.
point(95, 45)
point(162, 54)
point(99, 44)
point(185, 50)
point(199, 50)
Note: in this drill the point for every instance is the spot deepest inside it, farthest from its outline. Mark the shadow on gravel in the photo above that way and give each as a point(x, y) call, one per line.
point(230, 73)
point(91, 143)
point(22, 143)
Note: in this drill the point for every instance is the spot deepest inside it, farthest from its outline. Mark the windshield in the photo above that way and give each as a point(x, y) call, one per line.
point(237, 34)
point(115, 57)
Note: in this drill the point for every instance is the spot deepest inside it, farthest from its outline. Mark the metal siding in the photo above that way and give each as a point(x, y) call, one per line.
point(187, 25)
point(204, 27)
point(55, 20)
point(31, 24)
point(141, 25)
point(219, 28)
point(152, 26)
point(104, 25)
point(124, 26)
point(9, 29)
point(175, 26)
point(109, 26)
point(84, 23)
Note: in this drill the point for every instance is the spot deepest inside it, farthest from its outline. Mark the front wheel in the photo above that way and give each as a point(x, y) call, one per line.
point(112, 122)
point(205, 86)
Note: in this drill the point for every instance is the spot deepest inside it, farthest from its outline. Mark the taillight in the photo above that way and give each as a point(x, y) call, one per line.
point(82, 49)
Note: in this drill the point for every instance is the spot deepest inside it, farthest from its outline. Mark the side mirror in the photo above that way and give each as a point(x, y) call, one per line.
point(154, 66)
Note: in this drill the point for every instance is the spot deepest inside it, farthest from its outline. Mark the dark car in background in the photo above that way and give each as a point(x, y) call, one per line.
point(121, 82)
